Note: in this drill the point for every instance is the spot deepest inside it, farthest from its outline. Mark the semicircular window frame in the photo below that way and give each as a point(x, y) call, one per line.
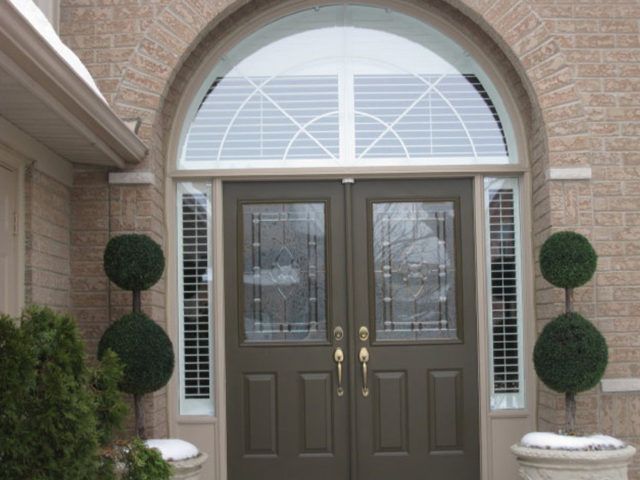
point(326, 91)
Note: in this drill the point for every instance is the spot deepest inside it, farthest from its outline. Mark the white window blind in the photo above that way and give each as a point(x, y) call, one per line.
point(505, 296)
point(195, 299)
point(426, 116)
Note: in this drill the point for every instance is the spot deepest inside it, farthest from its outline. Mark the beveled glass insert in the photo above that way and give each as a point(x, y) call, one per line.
point(284, 265)
point(414, 270)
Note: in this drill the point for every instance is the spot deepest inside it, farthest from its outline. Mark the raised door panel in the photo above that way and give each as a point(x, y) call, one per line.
point(446, 415)
point(317, 408)
point(390, 413)
point(260, 415)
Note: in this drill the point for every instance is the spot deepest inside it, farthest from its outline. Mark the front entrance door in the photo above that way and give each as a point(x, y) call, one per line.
point(351, 330)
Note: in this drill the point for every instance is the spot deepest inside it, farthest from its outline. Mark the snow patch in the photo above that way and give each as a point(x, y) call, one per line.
point(547, 441)
point(37, 19)
point(173, 449)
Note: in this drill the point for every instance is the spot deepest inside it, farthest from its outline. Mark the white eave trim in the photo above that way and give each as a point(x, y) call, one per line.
point(42, 70)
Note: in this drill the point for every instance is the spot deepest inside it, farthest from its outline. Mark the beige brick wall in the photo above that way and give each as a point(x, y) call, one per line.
point(47, 238)
point(100, 211)
point(574, 68)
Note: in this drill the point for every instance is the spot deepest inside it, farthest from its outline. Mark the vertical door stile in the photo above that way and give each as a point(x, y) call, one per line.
point(351, 328)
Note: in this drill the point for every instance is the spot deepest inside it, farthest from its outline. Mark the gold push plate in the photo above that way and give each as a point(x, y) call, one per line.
point(338, 333)
point(363, 333)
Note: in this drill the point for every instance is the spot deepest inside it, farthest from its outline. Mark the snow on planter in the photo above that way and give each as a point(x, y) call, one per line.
point(39, 22)
point(547, 441)
point(173, 449)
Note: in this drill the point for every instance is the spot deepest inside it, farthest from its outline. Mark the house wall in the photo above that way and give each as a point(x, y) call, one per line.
point(47, 217)
point(574, 67)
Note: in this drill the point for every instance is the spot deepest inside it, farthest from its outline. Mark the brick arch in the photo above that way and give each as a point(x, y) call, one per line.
point(152, 72)
point(510, 31)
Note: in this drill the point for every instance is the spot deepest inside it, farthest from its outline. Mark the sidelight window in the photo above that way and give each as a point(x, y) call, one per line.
point(505, 292)
point(195, 299)
point(347, 85)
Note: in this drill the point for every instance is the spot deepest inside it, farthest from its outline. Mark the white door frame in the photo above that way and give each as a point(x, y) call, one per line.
point(16, 166)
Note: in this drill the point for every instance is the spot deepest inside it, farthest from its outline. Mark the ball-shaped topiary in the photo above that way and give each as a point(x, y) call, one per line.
point(133, 262)
point(567, 260)
point(571, 354)
point(145, 350)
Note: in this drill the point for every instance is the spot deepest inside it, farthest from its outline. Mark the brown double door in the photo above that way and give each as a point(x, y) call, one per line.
point(351, 330)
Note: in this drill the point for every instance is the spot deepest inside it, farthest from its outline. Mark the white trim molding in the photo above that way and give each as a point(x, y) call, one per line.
point(132, 178)
point(620, 385)
point(569, 173)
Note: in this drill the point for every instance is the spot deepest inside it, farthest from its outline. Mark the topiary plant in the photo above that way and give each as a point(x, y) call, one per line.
point(567, 260)
point(570, 355)
point(135, 262)
point(145, 350)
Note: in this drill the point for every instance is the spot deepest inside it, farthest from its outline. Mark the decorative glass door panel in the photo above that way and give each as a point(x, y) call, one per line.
point(284, 272)
point(414, 269)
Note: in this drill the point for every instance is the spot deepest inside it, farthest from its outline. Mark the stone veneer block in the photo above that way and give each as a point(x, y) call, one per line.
point(131, 178)
point(572, 173)
point(619, 385)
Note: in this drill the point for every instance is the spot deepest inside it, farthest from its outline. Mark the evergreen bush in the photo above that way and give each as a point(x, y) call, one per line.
point(570, 355)
point(53, 419)
point(144, 463)
point(144, 348)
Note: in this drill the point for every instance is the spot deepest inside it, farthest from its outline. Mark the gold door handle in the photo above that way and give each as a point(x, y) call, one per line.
point(338, 357)
point(364, 359)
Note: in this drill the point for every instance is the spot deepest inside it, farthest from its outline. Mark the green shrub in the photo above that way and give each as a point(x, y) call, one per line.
point(570, 354)
point(144, 348)
point(567, 260)
point(144, 463)
point(49, 409)
point(133, 262)
point(110, 408)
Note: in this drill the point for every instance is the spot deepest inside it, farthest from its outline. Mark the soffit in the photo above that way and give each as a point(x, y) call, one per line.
point(42, 95)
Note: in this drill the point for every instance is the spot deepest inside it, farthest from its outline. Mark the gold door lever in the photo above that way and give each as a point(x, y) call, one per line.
point(364, 359)
point(338, 357)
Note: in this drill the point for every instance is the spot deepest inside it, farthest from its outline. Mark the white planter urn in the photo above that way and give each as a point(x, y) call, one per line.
point(556, 464)
point(189, 469)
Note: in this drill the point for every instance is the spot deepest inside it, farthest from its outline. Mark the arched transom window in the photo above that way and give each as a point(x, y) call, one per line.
point(347, 85)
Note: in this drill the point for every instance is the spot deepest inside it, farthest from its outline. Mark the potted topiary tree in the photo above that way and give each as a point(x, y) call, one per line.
point(570, 356)
point(135, 263)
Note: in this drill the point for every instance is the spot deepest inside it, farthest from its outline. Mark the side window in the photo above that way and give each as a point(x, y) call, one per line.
point(505, 292)
point(195, 286)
